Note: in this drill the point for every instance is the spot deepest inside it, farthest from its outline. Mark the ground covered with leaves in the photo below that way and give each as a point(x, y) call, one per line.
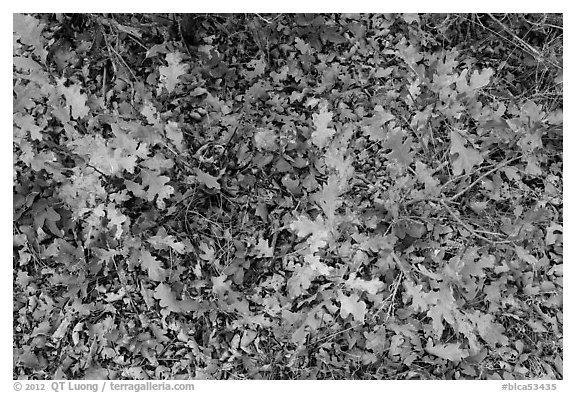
point(288, 196)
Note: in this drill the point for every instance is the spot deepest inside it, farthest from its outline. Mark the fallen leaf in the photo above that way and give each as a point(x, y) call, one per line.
point(154, 267)
point(207, 179)
point(479, 80)
point(263, 249)
point(169, 75)
point(467, 157)
point(352, 305)
point(322, 133)
point(450, 351)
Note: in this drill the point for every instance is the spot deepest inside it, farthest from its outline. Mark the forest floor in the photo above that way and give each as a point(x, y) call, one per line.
point(319, 196)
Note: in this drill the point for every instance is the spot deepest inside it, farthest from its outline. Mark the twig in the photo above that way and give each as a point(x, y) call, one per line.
point(227, 146)
point(393, 296)
point(422, 199)
point(120, 57)
point(373, 317)
point(490, 233)
point(498, 167)
point(262, 18)
point(104, 86)
point(136, 40)
point(523, 43)
point(440, 167)
point(453, 179)
point(466, 226)
point(490, 30)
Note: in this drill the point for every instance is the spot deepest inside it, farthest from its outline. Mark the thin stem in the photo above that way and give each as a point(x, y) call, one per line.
point(498, 167)
point(466, 226)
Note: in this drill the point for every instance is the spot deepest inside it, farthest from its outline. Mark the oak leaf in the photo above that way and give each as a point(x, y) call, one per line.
point(352, 305)
point(450, 351)
point(322, 133)
point(207, 179)
point(314, 262)
point(27, 124)
point(220, 284)
point(479, 80)
point(467, 157)
point(156, 187)
point(75, 100)
point(372, 286)
point(329, 198)
point(154, 267)
point(373, 126)
point(304, 227)
point(300, 281)
point(167, 298)
point(169, 75)
point(491, 332)
point(400, 148)
point(169, 301)
point(207, 252)
point(29, 29)
point(161, 241)
point(263, 249)
point(175, 135)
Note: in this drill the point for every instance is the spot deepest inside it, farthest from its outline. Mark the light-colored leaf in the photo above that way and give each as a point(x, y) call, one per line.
point(207, 252)
point(479, 80)
point(467, 157)
point(526, 256)
point(441, 307)
point(263, 249)
point(418, 295)
point(373, 126)
point(266, 140)
point(352, 305)
point(150, 113)
point(62, 329)
point(302, 46)
point(491, 332)
point(158, 163)
point(74, 99)
point(291, 184)
point(322, 133)
point(154, 267)
point(372, 286)
point(116, 219)
point(300, 281)
point(135, 373)
point(27, 124)
point(259, 66)
point(314, 262)
point(409, 18)
point(425, 176)
point(169, 75)
point(207, 179)
point(175, 135)
point(168, 300)
point(161, 241)
point(450, 351)
point(29, 30)
point(554, 233)
point(336, 159)
point(400, 147)
point(303, 227)
point(156, 187)
point(220, 284)
point(328, 198)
